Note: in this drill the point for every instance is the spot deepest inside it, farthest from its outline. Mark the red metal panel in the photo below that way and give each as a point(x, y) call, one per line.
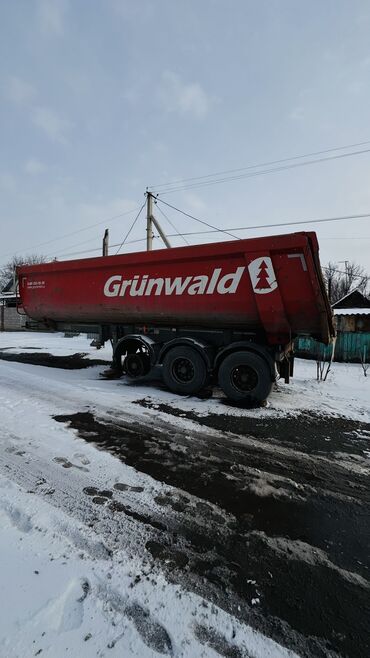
point(270, 284)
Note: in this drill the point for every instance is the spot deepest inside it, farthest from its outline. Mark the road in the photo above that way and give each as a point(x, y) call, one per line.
point(267, 517)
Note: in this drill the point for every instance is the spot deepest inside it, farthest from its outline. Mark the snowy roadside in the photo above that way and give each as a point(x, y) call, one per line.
point(65, 593)
point(345, 393)
point(76, 580)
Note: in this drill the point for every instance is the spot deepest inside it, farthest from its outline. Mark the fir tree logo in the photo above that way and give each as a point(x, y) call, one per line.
point(262, 275)
point(263, 281)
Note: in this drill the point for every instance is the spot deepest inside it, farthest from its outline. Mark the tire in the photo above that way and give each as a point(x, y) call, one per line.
point(245, 377)
point(184, 370)
point(136, 365)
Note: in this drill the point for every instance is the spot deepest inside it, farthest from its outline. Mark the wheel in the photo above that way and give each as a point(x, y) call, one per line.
point(184, 370)
point(245, 377)
point(136, 365)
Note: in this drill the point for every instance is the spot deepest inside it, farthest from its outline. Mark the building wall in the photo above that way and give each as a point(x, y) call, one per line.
point(360, 323)
point(10, 320)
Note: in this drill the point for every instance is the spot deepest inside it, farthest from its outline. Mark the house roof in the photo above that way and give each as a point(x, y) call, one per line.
point(9, 287)
point(353, 300)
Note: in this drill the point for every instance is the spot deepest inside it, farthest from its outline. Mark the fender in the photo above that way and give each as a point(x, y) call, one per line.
point(132, 342)
point(247, 347)
point(206, 351)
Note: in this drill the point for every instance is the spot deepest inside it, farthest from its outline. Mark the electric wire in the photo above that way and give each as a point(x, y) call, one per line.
point(112, 246)
point(353, 276)
point(246, 228)
point(173, 225)
point(250, 228)
point(256, 166)
point(77, 244)
point(131, 227)
point(201, 221)
point(261, 172)
point(61, 237)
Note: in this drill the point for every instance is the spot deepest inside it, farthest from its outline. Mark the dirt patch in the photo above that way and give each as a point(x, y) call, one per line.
point(278, 535)
point(72, 362)
point(307, 432)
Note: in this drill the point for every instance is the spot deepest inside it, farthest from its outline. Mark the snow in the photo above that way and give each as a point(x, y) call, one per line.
point(352, 311)
point(345, 393)
point(73, 584)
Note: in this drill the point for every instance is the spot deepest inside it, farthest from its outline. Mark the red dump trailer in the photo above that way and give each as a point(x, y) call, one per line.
point(225, 312)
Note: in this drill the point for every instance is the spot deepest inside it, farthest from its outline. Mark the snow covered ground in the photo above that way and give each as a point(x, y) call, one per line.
point(76, 583)
point(66, 590)
point(346, 391)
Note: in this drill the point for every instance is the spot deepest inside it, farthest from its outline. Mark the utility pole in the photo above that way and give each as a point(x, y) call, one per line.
point(150, 220)
point(346, 263)
point(106, 242)
point(149, 215)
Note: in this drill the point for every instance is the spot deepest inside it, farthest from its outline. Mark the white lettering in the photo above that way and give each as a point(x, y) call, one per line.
point(125, 285)
point(138, 291)
point(176, 285)
point(198, 286)
point(232, 279)
point(139, 286)
point(112, 290)
point(154, 282)
point(213, 281)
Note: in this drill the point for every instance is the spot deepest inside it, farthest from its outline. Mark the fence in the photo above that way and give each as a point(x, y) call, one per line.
point(348, 348)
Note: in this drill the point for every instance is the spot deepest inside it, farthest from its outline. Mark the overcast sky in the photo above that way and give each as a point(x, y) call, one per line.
point(100, 98)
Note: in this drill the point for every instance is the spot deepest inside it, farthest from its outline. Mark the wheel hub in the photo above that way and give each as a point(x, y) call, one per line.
point(244, 378)
point(134, 365)
point(183, 370)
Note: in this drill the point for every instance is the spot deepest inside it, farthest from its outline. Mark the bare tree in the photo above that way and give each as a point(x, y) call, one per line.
point(341, 278)
point(324, 360)
point(364, 363)
point(7, 271)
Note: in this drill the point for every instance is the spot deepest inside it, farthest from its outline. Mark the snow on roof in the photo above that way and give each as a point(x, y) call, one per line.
point(7, 295)
point(351, 311)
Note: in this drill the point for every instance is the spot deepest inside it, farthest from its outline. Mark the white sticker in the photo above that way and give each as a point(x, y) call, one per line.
point(262, 275)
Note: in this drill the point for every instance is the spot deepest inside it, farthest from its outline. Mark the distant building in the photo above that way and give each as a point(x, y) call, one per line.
point(10, 319)
point(352, 319)
point(352, 313)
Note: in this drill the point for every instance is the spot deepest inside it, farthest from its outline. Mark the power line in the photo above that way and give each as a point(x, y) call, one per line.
point(243, 228)
point(173, 225)
point(250, 228)
point(201, 221)
point(77, 244)
point(261, 172)
point(131, 227)
point(66, 235)
point(170, 235)
point(89, 251)
point(353, 276)
point(262, 164)
point(183, 235)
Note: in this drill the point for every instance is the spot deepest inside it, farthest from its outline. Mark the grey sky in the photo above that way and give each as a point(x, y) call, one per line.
point(101, 98)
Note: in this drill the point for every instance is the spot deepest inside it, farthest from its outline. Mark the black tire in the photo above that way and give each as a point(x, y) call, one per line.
point(245, 377)
point(184, 370)
point(136, 365)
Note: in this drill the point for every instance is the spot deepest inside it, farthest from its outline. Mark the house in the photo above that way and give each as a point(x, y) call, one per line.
point(352, 320)
point(352, 313)
point(10, 319)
